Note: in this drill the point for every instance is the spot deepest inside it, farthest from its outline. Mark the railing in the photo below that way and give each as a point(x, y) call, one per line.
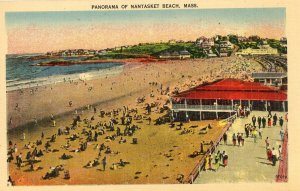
point(196, 170)
point(282, 175)
point(202, 107)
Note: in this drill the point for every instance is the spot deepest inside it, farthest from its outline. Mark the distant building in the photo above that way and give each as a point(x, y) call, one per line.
point(223, 52)
point(164, 55)
point(225, 44)
point(265, 42)
point(172, 41)
point(242, 39)
point(184, 54)
point(263, 50)
point(283, 43)
point(211, 54)
point(175, 55)
point(200, 40)
point(283, 40)
point(270, 78)
point(208, 43)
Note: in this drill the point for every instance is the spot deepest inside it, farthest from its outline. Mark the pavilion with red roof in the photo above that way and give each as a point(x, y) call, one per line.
point(221, 98)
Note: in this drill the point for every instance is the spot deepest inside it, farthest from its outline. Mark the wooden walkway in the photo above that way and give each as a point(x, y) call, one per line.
point(248, 163)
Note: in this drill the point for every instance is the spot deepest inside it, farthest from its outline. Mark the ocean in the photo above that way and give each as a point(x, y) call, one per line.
point(20, 72)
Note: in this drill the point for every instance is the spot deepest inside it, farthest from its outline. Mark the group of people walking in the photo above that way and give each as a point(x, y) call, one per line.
point(252, 130)
point(213, 162)
point(269, 121)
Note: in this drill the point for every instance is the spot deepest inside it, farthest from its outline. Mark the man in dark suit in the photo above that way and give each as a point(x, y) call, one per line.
point(259, 121)
point(253, 120)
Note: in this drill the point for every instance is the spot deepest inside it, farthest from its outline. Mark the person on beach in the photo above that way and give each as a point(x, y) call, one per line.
point(53, 120)
point(275, 120)
point(269, 122)
point(217, 162)
point(67, 175)
point(234, 139)
point(15, 149)
point(206, 167)
point(281, 122)
point(104, 163)
point(274, 156)
point(259, 121)
point(210, 162)
point(239, 139)
point(263, 121)
point(220, 158)
point(19, 160)
point(201, 147)
point(260, 133)
point(246, 130)
point(10, 181)
point(269, 154)
point(269, 110)
point(242, 139)
point(225, 159)
point(281, 134)
point(267, 142)
point(279, 152)
point(225, 138)
point(254, 133)
point(253, 120)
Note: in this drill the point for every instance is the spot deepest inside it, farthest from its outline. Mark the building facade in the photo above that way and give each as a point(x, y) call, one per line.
point(222, 98)
point(263, 50)
point(276, 79)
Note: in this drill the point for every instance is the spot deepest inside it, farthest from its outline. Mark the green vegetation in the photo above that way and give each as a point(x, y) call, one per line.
point(276, 44)
point(245, 45)
point(253, 43)
point(233, 39)
point(156, 49)
point(256, 41)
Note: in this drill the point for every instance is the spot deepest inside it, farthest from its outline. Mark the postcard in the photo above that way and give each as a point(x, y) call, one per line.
point(143, 95)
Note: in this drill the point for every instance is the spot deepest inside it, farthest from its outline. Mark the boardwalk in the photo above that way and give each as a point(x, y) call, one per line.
point(248, 163)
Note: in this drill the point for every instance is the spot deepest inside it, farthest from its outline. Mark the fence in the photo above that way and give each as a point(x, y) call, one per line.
point(196, 170)
point(202, 107)
point(282, 175)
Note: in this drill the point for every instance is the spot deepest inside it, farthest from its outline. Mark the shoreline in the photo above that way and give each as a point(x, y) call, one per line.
point(61, 78)
point(98, 61)
point(135, 77)
point(42, 81)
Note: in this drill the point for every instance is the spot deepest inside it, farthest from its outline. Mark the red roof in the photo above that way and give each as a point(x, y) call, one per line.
point(234, 84)
point(228, 89)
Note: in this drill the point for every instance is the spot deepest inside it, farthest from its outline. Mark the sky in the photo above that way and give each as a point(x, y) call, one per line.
point(39, 32)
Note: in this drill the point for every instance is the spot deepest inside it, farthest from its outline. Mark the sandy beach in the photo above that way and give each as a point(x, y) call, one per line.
point(149, 160)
